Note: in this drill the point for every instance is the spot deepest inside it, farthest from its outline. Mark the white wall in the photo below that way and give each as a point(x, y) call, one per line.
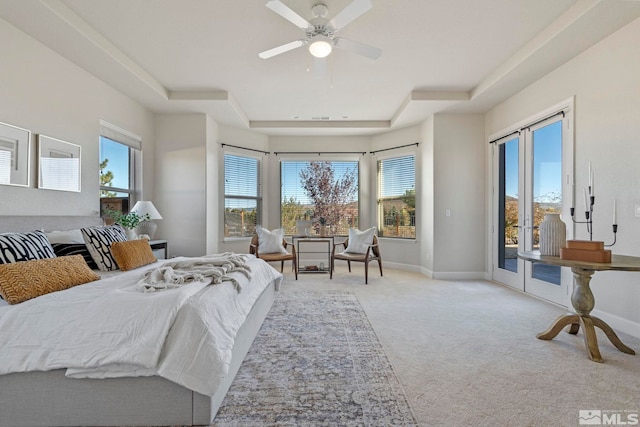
point(427, 196)
point(605, 82)
point(459, 198)
point(181, 180)
point(43, 92)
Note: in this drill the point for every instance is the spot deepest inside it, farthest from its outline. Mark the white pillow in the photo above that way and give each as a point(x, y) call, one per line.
point(270, 242)
point(67, 236)
point(359, 241)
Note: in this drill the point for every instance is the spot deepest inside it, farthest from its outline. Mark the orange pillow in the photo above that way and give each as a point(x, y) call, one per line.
point(132, 254)
point(21, 281)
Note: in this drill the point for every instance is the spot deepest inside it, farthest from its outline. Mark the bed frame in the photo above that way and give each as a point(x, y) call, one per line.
point(49, 398)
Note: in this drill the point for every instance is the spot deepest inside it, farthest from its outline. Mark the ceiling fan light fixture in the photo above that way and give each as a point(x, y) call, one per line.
point(320, 46)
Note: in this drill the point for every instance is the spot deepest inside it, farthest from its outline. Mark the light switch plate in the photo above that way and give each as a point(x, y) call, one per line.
point(638, 211)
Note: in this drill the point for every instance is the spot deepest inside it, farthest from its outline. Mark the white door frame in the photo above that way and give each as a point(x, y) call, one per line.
point(522, 280)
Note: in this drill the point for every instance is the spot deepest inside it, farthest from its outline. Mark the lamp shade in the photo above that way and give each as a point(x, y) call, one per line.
point(143, 208)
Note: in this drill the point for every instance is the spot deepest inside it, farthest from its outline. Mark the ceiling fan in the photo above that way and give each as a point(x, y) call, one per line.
point(320, 31)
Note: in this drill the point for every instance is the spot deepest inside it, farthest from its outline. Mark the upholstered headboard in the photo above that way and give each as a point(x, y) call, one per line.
point(20, 224)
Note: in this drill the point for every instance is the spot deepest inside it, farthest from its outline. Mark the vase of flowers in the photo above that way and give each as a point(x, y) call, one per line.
point(323, 226)
point(128, 221)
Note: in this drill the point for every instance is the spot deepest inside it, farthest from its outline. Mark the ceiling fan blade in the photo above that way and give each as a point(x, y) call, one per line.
point(350, 13)
point(357, 47)
point(281, 49)
point(320, 67)
point(283, 10)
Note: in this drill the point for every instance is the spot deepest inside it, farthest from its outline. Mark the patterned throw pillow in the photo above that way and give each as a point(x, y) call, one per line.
point(99, 240)
point(132, 254)
point(16, 247)
point(270, 242)
point(70, 242)
point(67, 249)
point(359, 241)
point(21, 281)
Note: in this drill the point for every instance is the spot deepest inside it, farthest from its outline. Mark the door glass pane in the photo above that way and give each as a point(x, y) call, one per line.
point(547, 188)
point(508, 209)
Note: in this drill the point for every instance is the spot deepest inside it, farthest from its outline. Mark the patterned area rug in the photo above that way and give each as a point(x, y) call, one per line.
point(316, 362)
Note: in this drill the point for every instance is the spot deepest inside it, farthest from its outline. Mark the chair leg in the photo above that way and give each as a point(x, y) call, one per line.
point(366, 272)
point(380, 265)
point(331, 269)
point(281, 266)
point(349, 264)
point(295, 267)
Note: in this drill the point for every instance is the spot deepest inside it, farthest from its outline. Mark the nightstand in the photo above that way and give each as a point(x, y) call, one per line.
point(160, 248)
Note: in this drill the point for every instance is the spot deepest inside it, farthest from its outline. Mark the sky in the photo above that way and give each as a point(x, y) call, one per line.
point(118, 161)
point(547, 157)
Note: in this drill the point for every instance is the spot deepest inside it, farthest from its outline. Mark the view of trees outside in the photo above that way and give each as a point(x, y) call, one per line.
point(242, 201)
point(114, 176)
point(546, 185)
point(324, 191)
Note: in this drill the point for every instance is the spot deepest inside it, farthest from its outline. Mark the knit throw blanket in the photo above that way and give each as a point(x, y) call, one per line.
point(179, 273)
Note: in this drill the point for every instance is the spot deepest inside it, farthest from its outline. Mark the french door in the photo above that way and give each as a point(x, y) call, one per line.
point(533, 170)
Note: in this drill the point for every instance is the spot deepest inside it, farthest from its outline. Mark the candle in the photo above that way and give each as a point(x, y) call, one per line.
point(586, 203)
point(615, 211)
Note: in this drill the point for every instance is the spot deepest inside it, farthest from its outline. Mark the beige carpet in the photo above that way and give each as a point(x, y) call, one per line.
point(466, 352)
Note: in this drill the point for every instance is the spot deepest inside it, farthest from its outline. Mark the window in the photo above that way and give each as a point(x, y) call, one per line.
point(397, 197)
point(311, 190)
point(118, 149)
point(116, 179)
point(242, 197)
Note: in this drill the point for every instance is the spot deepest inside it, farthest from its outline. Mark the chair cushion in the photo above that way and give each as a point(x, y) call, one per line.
point(359, 241)
point(270, 241)
point(276, 257)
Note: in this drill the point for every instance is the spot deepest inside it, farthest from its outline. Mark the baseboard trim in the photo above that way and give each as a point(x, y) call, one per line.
point(399, 266)
point(619, 323)
point(459, 275)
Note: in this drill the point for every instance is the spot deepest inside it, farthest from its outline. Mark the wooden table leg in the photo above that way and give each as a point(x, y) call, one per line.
point(583, 302)
point(590, 338)
point(611, 335)
point(558, 325)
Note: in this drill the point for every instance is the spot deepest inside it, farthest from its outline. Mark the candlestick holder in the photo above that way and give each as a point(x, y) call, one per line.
point(589, 218)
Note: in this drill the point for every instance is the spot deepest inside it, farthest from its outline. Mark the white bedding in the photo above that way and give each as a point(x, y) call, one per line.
point(109, 328)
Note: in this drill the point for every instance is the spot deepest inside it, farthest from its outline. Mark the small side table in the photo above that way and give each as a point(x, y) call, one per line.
point(309, 242)
point(160, 248)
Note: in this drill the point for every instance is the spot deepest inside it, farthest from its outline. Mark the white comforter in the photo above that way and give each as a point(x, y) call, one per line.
point(109, 328)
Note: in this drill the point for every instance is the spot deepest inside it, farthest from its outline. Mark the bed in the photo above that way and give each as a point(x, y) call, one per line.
point(49, 397)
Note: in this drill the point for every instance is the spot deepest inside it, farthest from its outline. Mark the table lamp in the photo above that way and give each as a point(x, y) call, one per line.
point(147, 227)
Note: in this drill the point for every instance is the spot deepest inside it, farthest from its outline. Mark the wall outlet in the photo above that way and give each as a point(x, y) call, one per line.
point(447, 212)
point(638, 211)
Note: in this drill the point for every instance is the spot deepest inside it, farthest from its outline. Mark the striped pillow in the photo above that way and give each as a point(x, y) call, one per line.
point(99, 240)
point(16, 247)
